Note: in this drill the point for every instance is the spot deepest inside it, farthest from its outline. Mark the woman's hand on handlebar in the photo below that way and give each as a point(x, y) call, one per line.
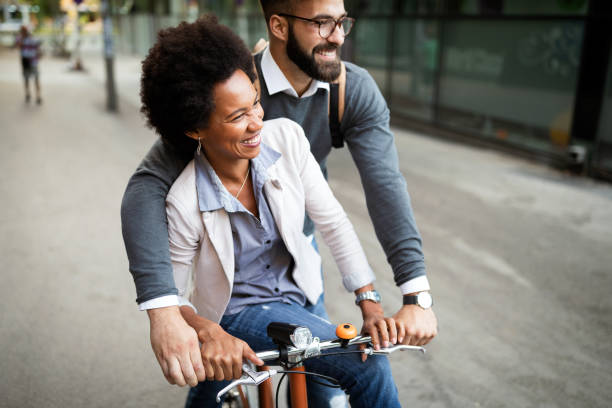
point(222, 353)
point(381, 329)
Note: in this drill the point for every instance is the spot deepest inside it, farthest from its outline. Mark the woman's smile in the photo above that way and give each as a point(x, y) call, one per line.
point(252, 142)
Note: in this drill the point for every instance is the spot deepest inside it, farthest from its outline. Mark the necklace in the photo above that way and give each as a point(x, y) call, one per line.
point(244, 182)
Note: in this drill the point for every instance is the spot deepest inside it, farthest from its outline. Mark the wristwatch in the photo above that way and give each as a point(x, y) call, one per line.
point(422, 299)
point(369, 295)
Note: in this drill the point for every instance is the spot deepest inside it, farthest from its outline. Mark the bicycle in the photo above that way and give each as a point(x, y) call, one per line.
point(296, 345)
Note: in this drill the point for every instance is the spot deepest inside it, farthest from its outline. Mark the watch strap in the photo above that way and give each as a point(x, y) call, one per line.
point(422, 299)
point(372, 295)
point(411, 300)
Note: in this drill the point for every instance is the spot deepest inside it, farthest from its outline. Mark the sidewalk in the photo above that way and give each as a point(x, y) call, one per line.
point(518, 257)
point(70, 332)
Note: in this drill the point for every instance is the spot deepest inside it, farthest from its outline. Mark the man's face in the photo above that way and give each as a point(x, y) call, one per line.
point(318, 57)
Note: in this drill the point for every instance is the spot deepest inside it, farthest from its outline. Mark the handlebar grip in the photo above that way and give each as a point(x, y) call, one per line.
point(346, 331)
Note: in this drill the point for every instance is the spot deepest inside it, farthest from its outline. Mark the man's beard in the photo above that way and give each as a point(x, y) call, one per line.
point(325, 71)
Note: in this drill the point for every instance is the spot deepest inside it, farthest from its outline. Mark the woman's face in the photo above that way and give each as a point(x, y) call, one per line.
point(233, 131)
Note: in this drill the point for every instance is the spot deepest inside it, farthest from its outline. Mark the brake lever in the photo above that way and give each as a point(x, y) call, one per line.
point(250, 377)
point(389, 350)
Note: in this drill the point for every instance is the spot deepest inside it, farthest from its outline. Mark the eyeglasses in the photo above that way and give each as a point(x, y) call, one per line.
point(328, 25)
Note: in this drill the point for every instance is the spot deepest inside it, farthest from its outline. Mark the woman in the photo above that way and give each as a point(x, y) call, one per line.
point(235, 216)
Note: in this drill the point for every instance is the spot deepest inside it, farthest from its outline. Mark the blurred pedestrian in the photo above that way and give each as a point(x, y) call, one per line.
point(30, 52)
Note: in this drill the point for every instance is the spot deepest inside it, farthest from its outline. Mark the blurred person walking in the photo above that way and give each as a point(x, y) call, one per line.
point(29, 47)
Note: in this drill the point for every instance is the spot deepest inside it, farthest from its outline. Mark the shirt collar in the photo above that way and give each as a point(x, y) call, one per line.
point(277, 82)
point(212, 194)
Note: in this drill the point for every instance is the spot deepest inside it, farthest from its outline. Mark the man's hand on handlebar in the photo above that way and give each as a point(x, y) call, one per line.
point(415, 326)
point(175, 345)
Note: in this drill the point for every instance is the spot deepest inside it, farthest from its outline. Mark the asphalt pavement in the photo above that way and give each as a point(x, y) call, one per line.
point(519, 257)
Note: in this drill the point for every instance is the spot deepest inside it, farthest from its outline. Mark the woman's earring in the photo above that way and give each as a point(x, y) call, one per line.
point(199, 146)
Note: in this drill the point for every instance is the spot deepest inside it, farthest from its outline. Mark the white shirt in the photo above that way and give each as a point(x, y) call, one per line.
point(277, 82)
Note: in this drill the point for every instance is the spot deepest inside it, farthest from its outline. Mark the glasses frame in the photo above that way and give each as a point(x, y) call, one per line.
point(337, 22)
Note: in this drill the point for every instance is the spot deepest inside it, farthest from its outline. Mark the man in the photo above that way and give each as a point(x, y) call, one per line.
point(305, 40)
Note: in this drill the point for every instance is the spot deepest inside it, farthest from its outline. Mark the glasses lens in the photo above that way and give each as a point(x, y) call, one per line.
point(347, 24)
point(326, 28)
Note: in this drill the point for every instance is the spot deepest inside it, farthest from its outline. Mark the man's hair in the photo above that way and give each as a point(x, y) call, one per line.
point(271, 7)
point(179, 75)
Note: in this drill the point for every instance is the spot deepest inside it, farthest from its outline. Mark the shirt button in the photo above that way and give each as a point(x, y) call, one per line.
point(267, 266)
point(268, 241)
point(276, 290)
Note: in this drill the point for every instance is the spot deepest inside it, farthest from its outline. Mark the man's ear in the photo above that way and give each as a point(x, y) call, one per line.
point(279, 27)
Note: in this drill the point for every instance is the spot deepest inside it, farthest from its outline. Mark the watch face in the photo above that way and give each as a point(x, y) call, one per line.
point(424, 300)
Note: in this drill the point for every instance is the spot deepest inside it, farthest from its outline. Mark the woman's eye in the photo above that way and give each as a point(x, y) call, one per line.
point(237, 118)
point(257, 102)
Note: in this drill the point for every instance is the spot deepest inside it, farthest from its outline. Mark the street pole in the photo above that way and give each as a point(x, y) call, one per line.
point(78, 64)
point(107, 23)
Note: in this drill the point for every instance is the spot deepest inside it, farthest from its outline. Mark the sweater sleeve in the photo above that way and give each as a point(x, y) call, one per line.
point(365, 126)
point(144, 224)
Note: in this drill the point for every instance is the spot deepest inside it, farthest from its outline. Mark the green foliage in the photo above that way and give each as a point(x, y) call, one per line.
point(47, 8)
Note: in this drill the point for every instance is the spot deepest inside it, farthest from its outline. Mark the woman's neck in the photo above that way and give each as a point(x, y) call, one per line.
point(233, 172)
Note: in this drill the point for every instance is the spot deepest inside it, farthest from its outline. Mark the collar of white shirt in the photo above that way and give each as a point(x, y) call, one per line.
point(277, 82)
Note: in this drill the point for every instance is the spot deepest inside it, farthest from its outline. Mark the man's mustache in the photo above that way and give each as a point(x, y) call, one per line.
point(325, 47)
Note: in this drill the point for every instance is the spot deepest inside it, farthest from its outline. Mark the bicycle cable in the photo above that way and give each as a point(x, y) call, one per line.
point(285, 372)
point(325, 384)
point(278, 388)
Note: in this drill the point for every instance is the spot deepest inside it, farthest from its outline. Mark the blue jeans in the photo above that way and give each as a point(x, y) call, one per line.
point(368, 384)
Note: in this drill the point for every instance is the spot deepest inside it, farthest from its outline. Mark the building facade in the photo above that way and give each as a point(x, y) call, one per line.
point(532, 77)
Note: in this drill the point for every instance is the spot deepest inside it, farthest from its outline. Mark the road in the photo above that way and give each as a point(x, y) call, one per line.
point(519, 257)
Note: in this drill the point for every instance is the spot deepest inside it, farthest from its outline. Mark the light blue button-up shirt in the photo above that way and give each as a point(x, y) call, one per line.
point(263, 263)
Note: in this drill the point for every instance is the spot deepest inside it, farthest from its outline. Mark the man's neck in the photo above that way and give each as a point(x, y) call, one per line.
point(298, 79)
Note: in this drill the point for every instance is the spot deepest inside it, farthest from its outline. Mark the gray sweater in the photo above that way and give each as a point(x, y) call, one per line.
point(365, 126)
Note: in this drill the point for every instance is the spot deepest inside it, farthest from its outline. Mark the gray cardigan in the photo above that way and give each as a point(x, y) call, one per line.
point(365, 126)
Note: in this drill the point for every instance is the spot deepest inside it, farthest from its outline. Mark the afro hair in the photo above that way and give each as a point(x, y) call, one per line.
point(179, 75)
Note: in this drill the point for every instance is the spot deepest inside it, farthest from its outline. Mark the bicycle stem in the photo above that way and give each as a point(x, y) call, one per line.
point(293, 351)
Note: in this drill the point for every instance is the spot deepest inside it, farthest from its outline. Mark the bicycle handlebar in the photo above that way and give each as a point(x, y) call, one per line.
point(269, 355)
point(252, 377)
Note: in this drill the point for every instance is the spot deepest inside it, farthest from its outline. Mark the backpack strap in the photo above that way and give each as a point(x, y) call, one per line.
point(337, 91)
point(258, 48)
